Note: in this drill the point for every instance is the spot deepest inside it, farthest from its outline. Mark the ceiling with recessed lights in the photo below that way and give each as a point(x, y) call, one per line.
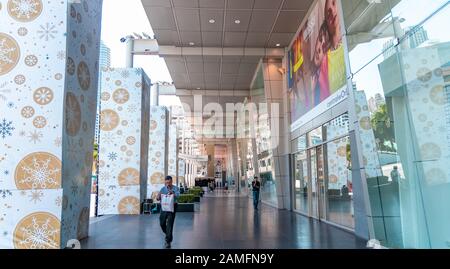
point(222, 24)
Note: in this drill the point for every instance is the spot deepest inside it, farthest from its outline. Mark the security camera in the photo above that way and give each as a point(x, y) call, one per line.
point(125, 39)
point(146, 35)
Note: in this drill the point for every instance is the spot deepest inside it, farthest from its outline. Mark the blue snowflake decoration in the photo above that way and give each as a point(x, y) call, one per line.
point(6, 128)
point(6, 172)
point(112, 156)
point(5, 193)
point(10, 105)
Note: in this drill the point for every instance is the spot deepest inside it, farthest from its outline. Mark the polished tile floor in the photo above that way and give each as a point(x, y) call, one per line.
point(221, 223)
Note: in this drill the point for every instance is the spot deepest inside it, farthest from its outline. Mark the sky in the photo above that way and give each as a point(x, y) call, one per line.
point(121, 18)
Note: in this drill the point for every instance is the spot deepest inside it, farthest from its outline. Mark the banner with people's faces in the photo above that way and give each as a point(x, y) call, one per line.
point(316, 63)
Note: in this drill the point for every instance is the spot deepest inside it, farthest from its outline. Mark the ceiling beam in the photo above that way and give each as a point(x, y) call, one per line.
point(151, 47)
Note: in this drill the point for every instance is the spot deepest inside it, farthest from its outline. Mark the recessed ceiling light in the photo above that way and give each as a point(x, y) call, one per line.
point(237, 21)
point(278, 44)
point(198, 88)
point(212, 21)
point(191, 43)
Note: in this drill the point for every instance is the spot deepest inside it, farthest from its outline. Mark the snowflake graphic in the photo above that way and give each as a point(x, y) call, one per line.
point(10, 105)
point(74, 188)
point(25, 8)
point(6, 128)
point(31, 60)
point(112, 156)
point(39, 174)
point(35, 137)
point(61, 55)
point(39, 235)
point(22, 133)
point(73, 150)
point(58, 142)
point(4, 91)
point(125, 74)
point(132, 108)
point(103, 204)
point(48, 31)
point(5, 52)
point(5, 193)
point(104, 176)
point(35, 196)
point(58, 201)
point(108, 138)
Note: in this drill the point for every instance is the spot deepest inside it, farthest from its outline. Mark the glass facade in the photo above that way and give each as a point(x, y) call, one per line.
point(399, 54)
point(263, 147)
point(322, 173)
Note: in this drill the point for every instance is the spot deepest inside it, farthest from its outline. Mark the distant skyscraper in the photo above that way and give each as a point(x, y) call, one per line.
point(376, 102)
point(105, 56)
point(417, 36)
point(104, 62)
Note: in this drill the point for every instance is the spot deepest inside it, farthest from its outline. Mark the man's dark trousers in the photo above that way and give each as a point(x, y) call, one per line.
point(166, 220)
point(255, 199)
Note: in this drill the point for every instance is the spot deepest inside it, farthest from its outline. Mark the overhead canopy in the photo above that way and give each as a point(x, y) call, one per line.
point(242, 24)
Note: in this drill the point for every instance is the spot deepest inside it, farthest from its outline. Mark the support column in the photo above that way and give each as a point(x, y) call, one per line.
point(277, 104)
point(48, 93)
point(123, 145)
point(158, 149)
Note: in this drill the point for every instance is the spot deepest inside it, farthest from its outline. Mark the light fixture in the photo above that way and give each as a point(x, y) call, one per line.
point(212, 21)
point(237, 21)
point(278, 44)
point(198, 88)
point(191, 43)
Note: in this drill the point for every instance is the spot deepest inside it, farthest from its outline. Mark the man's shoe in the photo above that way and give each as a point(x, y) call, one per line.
point(167, 245)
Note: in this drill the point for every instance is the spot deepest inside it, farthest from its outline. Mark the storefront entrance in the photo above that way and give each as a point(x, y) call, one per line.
point(310, 183)
point(322, 174)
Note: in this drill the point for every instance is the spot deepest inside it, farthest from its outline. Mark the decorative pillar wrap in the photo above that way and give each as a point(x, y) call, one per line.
point(125, 102)
point(182, 171)
point(48, 92)
point(158, 149)
point(172, 165)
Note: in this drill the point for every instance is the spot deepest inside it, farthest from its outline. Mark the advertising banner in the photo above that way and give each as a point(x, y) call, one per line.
point(316, 63)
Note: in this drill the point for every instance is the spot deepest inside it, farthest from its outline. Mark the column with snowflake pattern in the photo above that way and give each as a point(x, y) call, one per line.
point(123, 143)
point(158, 149)
point(48, 76)
point(172, 158)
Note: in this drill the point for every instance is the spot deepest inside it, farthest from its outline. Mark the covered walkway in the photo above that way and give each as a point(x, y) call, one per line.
point(221, 223)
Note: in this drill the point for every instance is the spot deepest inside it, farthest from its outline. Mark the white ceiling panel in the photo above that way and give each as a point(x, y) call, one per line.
point(188, 19)
point(263, 24)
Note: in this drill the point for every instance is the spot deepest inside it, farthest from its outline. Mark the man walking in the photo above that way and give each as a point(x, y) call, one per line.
point(256, 187)
point(167, 218)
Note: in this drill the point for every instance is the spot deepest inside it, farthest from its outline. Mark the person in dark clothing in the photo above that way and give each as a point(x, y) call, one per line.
point(167, 219)
point(256, 187)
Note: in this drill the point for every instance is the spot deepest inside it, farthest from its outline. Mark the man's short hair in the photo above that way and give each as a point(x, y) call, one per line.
point(168, 178)
point(255, 177)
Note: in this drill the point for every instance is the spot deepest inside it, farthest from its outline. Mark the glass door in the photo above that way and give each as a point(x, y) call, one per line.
point(313, 190)
point(301, 182)
point(321, 184)
point(317, 193)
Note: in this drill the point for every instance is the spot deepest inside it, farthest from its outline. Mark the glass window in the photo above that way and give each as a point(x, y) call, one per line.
point(337, 128)
point(301, 182)
point(339, 184)
point(315, 137)
point(402, 106)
